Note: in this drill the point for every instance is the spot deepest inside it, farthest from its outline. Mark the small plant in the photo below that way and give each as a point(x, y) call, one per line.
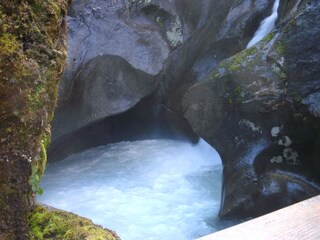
point(34, 181)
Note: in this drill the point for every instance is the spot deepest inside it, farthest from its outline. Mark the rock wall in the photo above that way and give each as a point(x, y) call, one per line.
point(183, 64)
point(259, 110)
point(152, 50)
point(32, 54)
point(106, 85)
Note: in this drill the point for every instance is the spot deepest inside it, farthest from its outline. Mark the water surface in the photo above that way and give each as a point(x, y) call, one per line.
point(150, 189)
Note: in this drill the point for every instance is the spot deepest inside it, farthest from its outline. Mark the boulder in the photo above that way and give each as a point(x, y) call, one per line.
point(222, 33)
point(106, 85)
point(106, 31)
point(259, 110)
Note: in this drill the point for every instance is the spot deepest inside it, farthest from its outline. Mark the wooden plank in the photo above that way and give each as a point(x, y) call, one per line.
point(300, 221)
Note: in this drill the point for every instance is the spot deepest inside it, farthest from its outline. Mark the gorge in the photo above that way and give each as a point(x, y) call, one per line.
point(182, 70)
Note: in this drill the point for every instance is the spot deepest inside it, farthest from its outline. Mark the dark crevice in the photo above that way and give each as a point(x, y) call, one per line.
point(138, 123)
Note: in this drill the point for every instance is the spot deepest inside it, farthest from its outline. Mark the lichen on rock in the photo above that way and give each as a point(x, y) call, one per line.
point(175, 35)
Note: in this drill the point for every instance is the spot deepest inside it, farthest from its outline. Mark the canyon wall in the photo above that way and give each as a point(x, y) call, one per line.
point(185, 68)
point(141, 69)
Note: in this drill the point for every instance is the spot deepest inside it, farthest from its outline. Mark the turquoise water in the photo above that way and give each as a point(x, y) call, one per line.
point(150, 189)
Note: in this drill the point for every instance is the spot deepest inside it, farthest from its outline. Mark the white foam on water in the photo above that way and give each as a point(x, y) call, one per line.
point(266, 25)
point(150, 189)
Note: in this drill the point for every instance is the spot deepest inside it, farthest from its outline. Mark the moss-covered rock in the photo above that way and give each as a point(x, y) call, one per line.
point(260, 110)
point(32, 57)
point(51, 224)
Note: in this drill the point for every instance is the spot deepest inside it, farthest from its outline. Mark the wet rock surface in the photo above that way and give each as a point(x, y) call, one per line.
point(182, 68)
point(106, 85)
point(264, 123)
point(174, 43)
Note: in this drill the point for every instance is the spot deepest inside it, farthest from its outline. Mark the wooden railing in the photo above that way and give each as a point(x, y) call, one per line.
point(300, 221)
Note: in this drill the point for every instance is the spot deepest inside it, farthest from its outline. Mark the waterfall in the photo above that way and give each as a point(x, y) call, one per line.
point(266, 25)
point(150, 189)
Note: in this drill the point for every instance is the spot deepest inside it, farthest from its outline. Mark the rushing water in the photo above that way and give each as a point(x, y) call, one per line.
point(266, 25)
point(151, 189)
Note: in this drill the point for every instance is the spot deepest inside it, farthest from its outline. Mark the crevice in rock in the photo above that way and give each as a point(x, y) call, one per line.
point(140, 122)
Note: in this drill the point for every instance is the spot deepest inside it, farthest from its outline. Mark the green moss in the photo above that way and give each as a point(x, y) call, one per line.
point(32, 54)
point(43, 156)
point(55, 224)
point(268, 37)
point(46, 138)
point(9, 44)
point(281, 47)
point(240, 60)
point(32, 57)
point(214, 75)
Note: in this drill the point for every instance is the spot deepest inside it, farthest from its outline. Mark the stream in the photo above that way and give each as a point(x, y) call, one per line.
point(150, 189)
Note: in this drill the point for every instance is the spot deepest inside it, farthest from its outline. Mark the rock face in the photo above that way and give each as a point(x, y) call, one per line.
point(32, 54)
point(111, 50)
point(259, 110)
point(147, 47)
point(106, 85)
point(137, 68)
